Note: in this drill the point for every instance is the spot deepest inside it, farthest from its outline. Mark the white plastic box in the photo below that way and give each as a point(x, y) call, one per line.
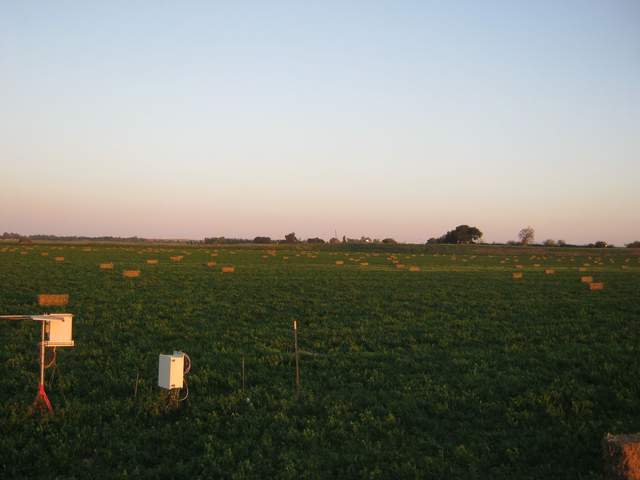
point(60, 330)
point(171, 370)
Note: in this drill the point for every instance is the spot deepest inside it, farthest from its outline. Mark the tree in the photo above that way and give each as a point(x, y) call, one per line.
point(262, 240)
point(389, 240)
point(549, 242)
point(562, 243)
point(290, 238)
point(600, 244)
point(526, 235)
point(315, 240)
point(460, 234)
point(635, 244)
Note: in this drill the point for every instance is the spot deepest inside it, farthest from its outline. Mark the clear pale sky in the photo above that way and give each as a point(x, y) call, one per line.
point(403, 119)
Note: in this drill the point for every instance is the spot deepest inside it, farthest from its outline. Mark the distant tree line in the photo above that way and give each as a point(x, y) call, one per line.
point(462, 234)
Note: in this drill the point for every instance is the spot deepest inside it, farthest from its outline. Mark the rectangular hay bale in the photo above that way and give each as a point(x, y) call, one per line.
point(106, 266)
point(131, 273)
point(596, 286)
point(228, 269)
point(516, 275)
point(51, 300)
point(621, 456)
point(586, 279)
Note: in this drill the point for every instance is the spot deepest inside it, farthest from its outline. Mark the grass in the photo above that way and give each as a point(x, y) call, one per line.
point(453, 371)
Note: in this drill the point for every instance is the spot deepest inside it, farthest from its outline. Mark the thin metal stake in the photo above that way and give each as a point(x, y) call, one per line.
point(295, 344)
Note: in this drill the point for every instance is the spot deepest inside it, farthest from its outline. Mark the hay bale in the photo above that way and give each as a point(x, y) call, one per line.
point(549, 271)
point(176, 258)
point(582, 269)
point(621, 456)
point(285, 258)
point(59, 259)
point(364, 264)
point(211, 264)
point(519, 267)
point(596, 286)
point(131, 273)
point(339, 262)
point(586, 279)
point(414, 268)
point(106, 266)
point(399, 266)
point(45, 254)
point(516, 275)
point(152, 261)
point(228, 269)
point(53, 300)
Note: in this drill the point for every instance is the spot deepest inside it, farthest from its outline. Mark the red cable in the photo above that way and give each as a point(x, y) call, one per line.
point(42, 395)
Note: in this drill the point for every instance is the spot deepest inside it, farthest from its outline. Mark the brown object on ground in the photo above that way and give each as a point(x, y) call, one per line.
point(549, 271)
point(106, 266)
point(177, 258)
point(414, 268)
point(586, 279)
point(516, 275)
point(152, 261)
point(621, 456)
point(596, 286)
point(131, 273)
point(211, 264)
point(51, 300)
point(59, 259)
point(228, 269)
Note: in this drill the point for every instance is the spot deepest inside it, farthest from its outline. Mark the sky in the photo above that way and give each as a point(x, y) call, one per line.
point(394, 119)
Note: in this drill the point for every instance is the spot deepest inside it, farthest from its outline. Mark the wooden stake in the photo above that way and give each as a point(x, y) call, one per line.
point(295, 345)
point(243, 374)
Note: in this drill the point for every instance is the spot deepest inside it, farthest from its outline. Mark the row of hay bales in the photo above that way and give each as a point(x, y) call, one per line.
point(136, 273)
point(588, 279)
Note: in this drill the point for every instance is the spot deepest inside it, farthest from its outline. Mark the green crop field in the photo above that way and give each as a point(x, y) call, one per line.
point(453, 371)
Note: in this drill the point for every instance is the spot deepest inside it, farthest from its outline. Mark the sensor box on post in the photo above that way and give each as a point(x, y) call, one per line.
point(60, 327)
point(171, 371)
